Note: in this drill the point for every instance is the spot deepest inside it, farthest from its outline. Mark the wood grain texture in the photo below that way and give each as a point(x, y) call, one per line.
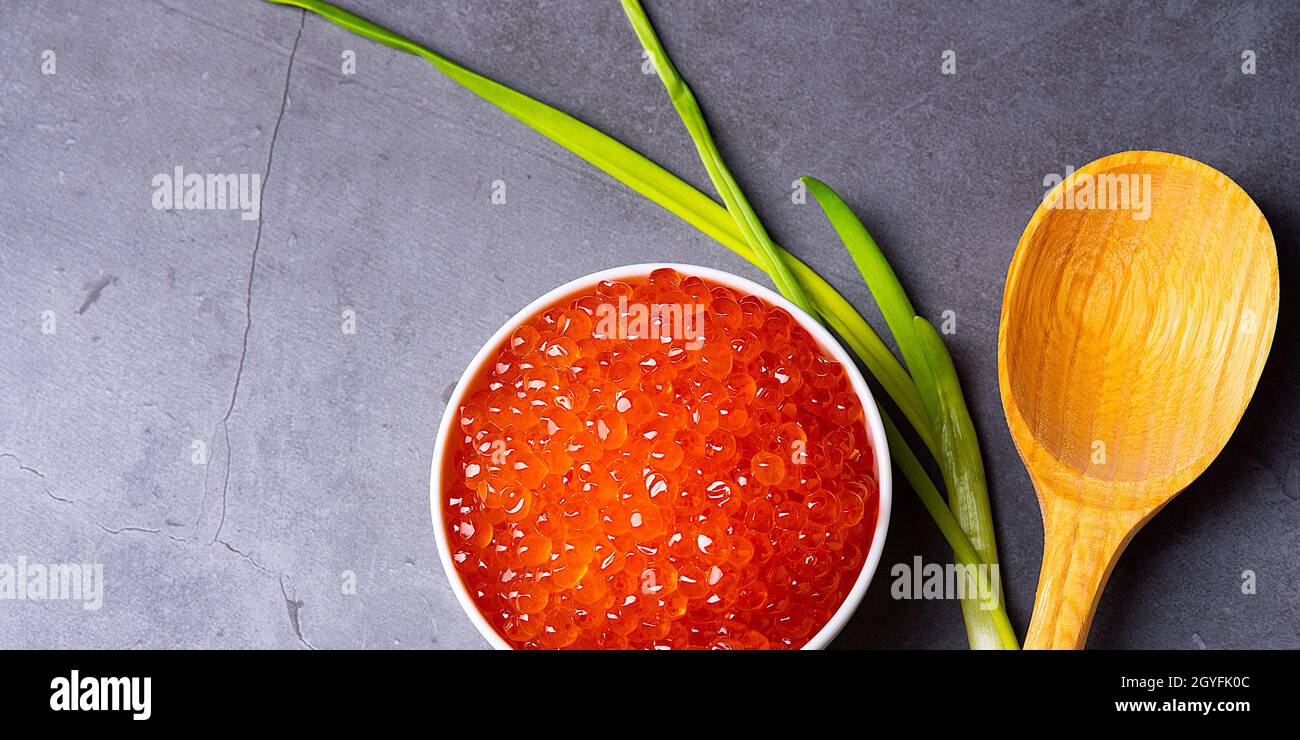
point(1138, 313)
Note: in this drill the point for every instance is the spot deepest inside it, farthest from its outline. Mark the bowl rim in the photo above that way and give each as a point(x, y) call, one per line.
point(871, 417)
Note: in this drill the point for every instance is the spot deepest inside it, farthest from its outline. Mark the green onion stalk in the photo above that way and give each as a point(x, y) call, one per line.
point(936, 380)
point(929, 397)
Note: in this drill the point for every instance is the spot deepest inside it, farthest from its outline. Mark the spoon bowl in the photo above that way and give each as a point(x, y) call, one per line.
point(1139, 310)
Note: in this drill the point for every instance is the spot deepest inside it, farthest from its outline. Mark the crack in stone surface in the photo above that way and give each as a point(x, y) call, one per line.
point(294, 607)
point(249, 558)
point(121, 530)
point(22, 467)
point(93, 290)
point(136, 530)
point(248, 293)
point(28, 469)
point(129, 529)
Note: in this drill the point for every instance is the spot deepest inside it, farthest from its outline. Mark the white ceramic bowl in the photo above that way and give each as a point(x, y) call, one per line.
point(875, 432)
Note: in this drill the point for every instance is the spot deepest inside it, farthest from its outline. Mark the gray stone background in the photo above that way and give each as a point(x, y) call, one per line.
point(183, 326)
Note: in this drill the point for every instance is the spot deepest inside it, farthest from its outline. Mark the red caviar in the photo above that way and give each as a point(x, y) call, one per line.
point(660, 463)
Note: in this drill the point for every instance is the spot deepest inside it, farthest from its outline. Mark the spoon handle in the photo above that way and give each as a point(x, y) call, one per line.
point(1080, 546)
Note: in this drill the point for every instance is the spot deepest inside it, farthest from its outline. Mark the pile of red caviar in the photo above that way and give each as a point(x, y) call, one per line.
point(701, 482)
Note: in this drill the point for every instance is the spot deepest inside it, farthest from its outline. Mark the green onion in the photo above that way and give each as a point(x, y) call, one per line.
point(958, 454)
point(744, 236)
point(958, 451)
point(994, 624)
point(963, 474)
point(737, 205)
point(881, 282)
point(936, 379)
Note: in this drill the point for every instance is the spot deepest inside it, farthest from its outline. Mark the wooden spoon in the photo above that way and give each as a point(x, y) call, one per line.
point(1128, 350)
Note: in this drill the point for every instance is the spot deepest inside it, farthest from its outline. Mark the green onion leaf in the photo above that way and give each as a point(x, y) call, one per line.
point(991, 627)
point(949, 419)
point(963, 472)
point(743, 236)
point(688, 109)
point(881, 281)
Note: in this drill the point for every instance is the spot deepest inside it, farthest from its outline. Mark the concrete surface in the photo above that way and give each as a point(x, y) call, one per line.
point(179, 329)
